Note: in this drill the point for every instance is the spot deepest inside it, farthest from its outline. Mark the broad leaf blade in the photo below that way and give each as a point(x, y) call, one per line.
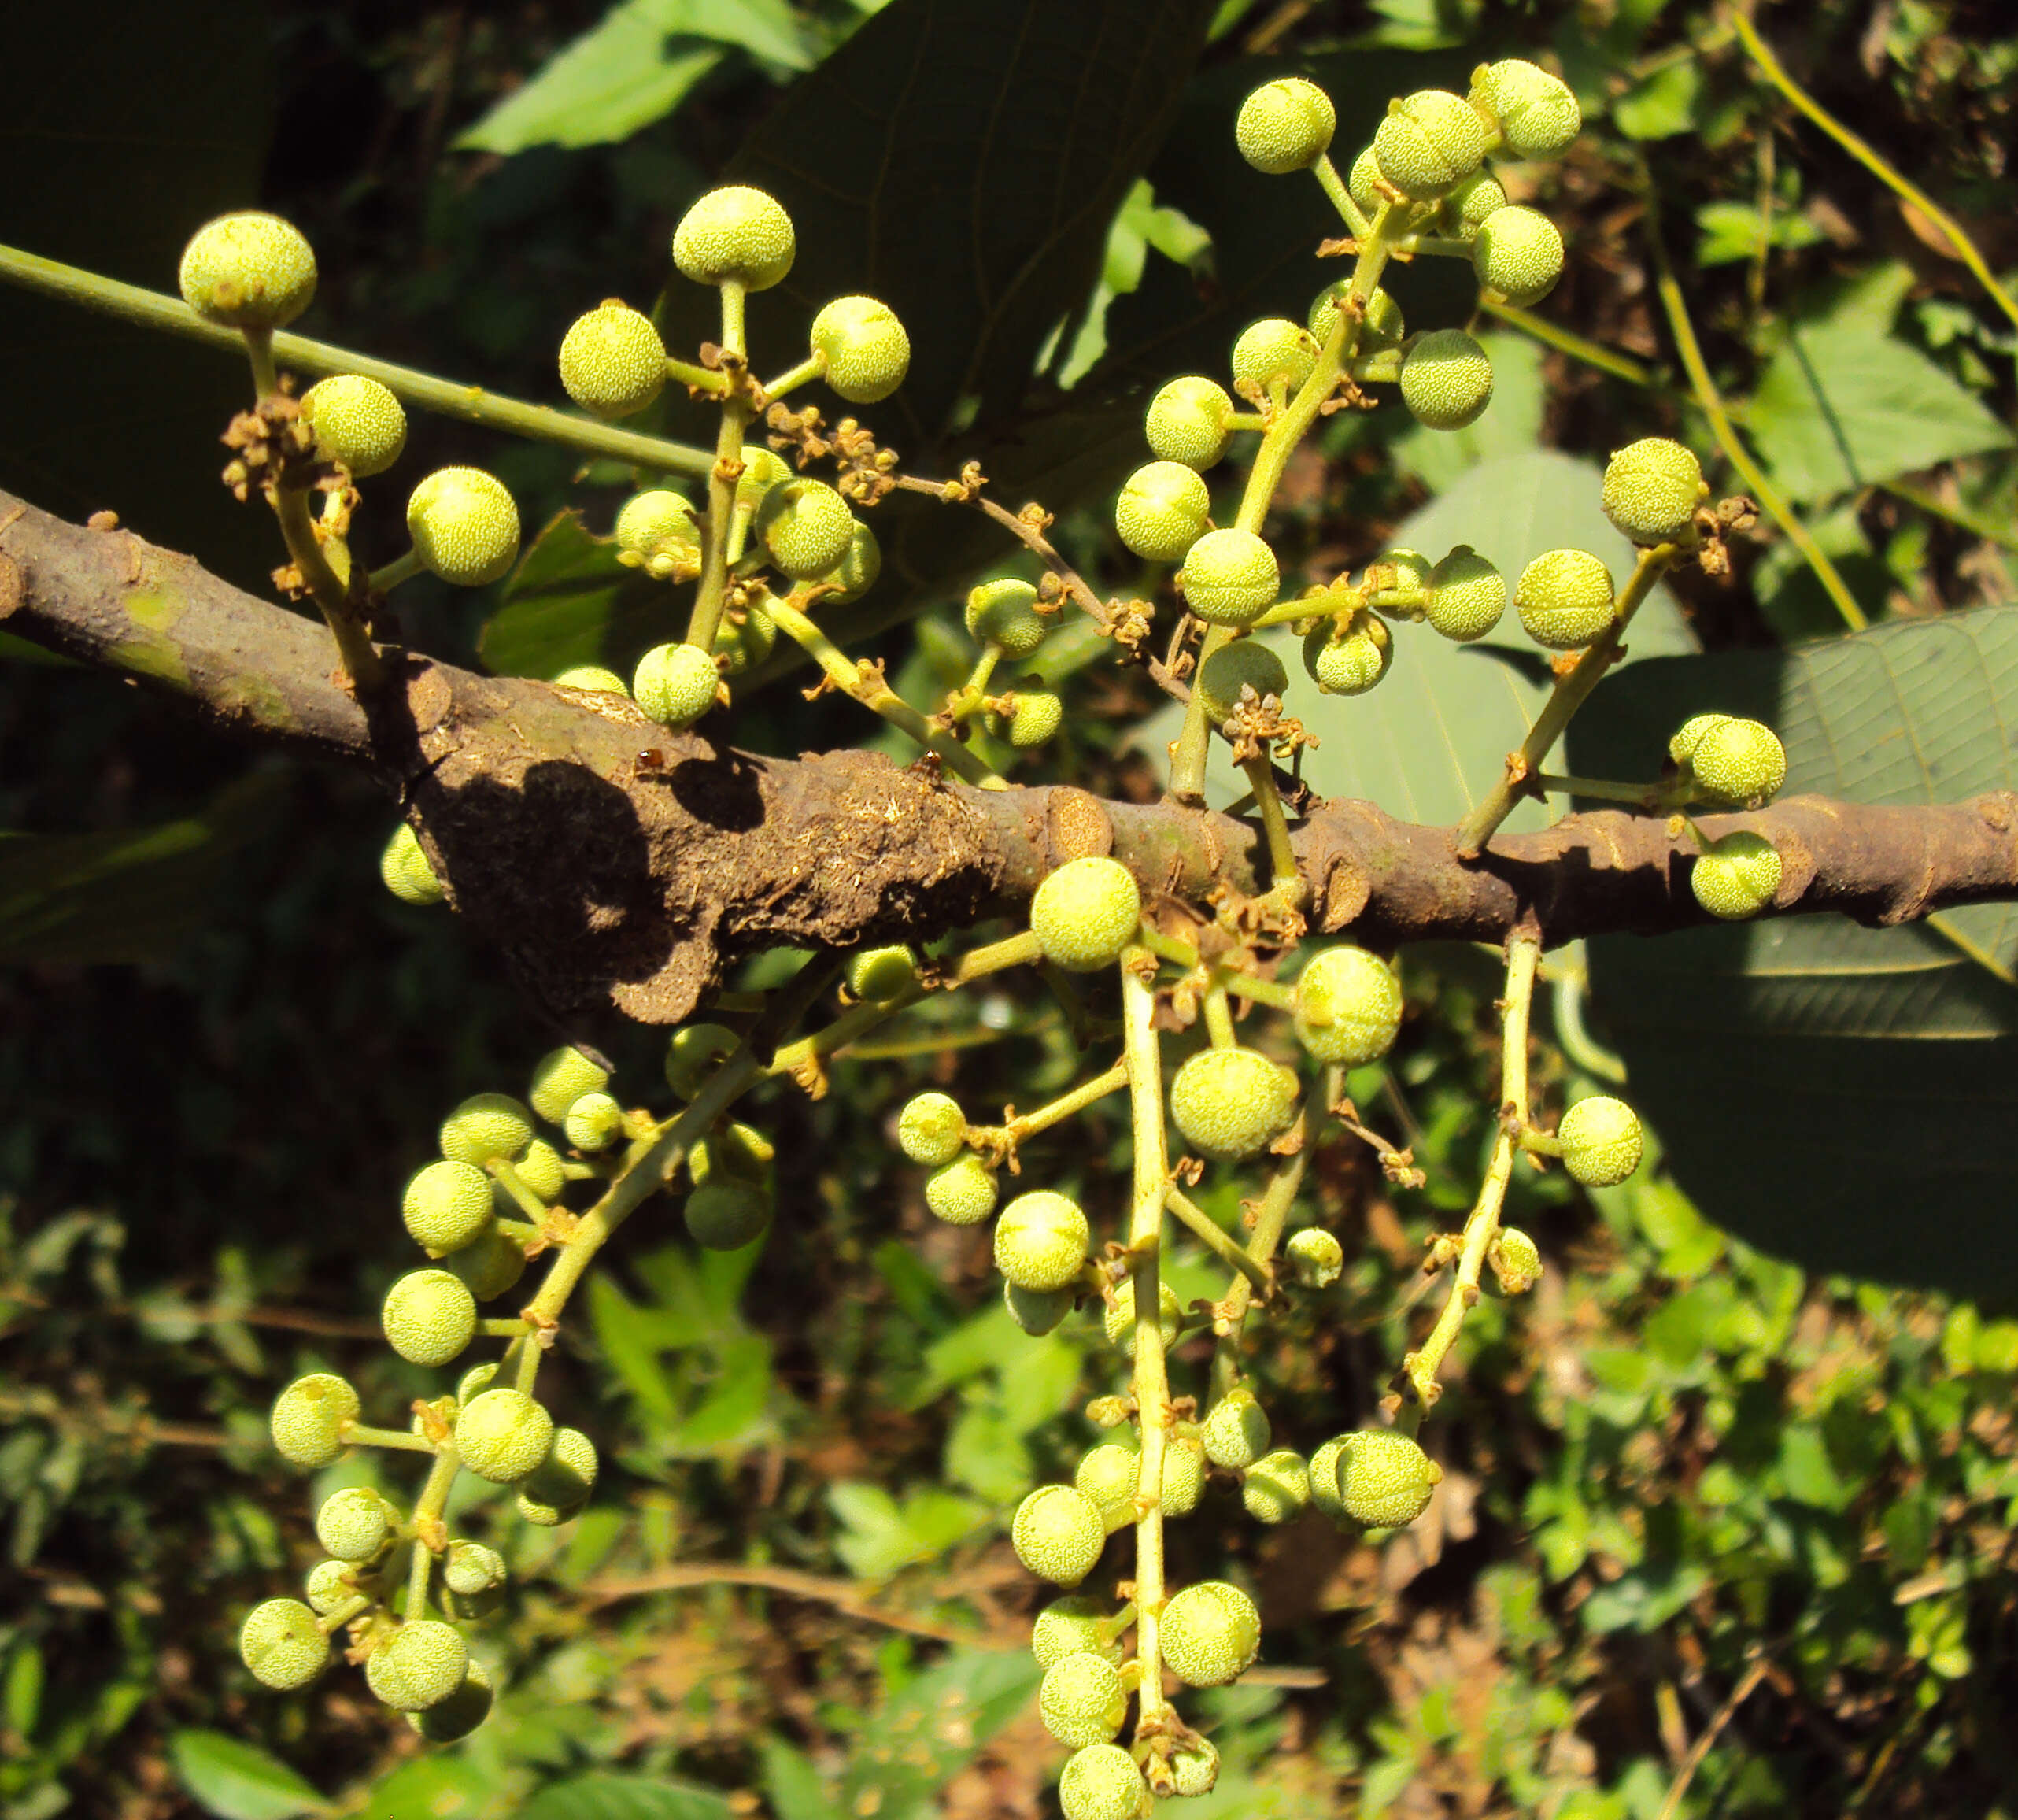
point(606, 1797)
point(235, 1781)
point(930, 1729)
point(571, 601)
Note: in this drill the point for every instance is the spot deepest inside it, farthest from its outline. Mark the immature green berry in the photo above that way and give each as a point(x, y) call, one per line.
point(1739, 763)
point(1429, 143)
point(1162, 510)
point(1230, 1103)
point(1446, 379)
point(1036, 1311)
point(1276, 1486)
point(1229, 578)
point(420, 1665)
point(877, 975)
point(465, 526)
point(560, 1076)
point(691, 1055)
point(1106, 1474)
point(1565, 599)
point(1538, 116)
point(733, 1152)
point(331, 1585)
point(1183, 1471)
point(1682, 747)
point(1324, 1478)
point(1351, 663)
point(594, 1123)
point(726, 1215)
point(354, 1524)
point(656, 532)
point(488, 1266)
point(250, 270)
point(735, 235)
point(866, 351)
point(542, 1169)
point(1473, 201)
point(1037, 715)
point(429, 1317)
point(1348, 1006)
point(469, 1568)
point(1601, 1140)
point(676, 684)
point(1518, 253)
point(931, 1129)
point(761, 471)
point(1211, 1633)
point(309, 1417)
point(1119, 1319)
point(461, 1713)
point(1381, 325)
point(1398, 571)
point(406, 870)
point(1652, 489)
point(1004, 614)
point(1384, 1479)
point(1074, 1626)
point(484, 1126)
point(1516, 1262)
point(1058, 1534)
point(592, 678)
point(613, 361)
point(1737, 877)
point(558, 1486)
point(1101, 1783)
point(357, 421)
point(1195, 1767)
point(1041, 1241)
point(283, 1644)
point(1274, 350)
point(1244, 664)
point(1361, 182)
point(962, 1192)
point(1081, 1700)
point(1467, 595)
point(474, 1383)
point(1236, 1431)
point(806, 526)
point(1085, 913)
point(1285, 125)
point(1186, 422)
point(1315, 1256)
point(502, 1435)
point(852, 577)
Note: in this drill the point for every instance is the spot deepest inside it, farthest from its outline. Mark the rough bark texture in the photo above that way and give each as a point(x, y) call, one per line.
point(613, 882)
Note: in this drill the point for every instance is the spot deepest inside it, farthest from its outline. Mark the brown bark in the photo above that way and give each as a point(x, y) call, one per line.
point(612, 883)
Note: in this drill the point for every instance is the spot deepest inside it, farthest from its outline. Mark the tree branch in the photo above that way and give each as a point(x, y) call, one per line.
point(610, 885)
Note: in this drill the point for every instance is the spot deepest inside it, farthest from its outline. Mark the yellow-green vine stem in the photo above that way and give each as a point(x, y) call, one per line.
point(1271, 1213)
point(1216, 1239)
point(738, 407)
point(434, 1499)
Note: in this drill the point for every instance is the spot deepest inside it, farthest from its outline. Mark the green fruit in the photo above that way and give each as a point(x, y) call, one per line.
point(357, 421)
point(474, 1383)
point(1118, 1320)
point(1738, 877)
point(1184, 1471)
point(355, 1524)
point(1161, 511)
point(735, 236)
point(1101, 1783)
point(1036, 1311)
point(501, 1435)
point(1315, 1257)
point(1211, 1633)
point(1380, 326)
point(1276, 1487)
point(1244, 664)
point(429, 1317)
point(1429, 143)
point(931, 1129)
point(1285, 125)
point(1446, 379)
point(1228, 1104)
point(1348, 1006)
point(656, 532)
point(1399, 572)
point(1106, 1474)
point(866, 351)
point(1682, 747)
point(420, 1665)
point(1274, 350)
point(1739, 763)
point(611, 360)
point(1652, 489)
point(489, 1267)
point(1038, 715)
point(465, 526)
point(560, 1076)
point(675, 685)
point(1081, 1700)
point(1041, 1241)
point(746, 634)
point(1518, 253)
point(1601, 1140)
point(330, 1587)
point(854, 575)
point(283, 1644)
point(1085, 913)
point(691, 1053)
point(726, 1215)
point(1058, 1534)
point(1538, 116)
point(1235, 1432)
point(1352, 664)
point(484, 1126)
point(1366, 173)
point(1324, 1478)
point(877, 975)
point(558, 1486)
point(1516, 1262)
point(735, 1152)
point(1229, 578)
point(1004, 614)
point(806, 526)
point(249, 270)
point(1072, 1626)
point(309, 1417)
point(1472, 202)
point(1384, 1479)
point(1467, 595)
point(1186, 422)
point(962, 1192)
point(406, 871)
point(460, 1714)
point(469, 1568)
point(593, 678)
point(1195, 1767)
point(1565, 599)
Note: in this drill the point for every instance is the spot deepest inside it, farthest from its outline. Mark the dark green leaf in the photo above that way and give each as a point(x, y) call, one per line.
point(927, 1732)
point(440, 1788)
point(236, 1782)
point(1662, 105)
point(571, 601)
point(600, 1797)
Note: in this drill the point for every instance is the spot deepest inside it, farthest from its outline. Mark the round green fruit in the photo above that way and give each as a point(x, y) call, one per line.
point(1652, 489)
point(1161, 511)
point(1081, 1700)
point(1107, 1474)
point(675, 685)
point(1516, 1262)
point(357, 421)
point(1058, 1534)
point(1236, 1431)
point(852, 578)
point(1036, 1311)
point(560, 1076)
point(1188, 422)
point(1350, 664)
point(1085, 913)
point(1228, 1104)
point(406, 871)
point(1467, 595)
point(1276, 1487)
point(542, 1169)
point(461, 1713)
point(1232, 669)
point(735, 236)
point(557, 1488)
point(1274, 351)
point(1195, 1767)
point(249, 270)
point(484, 1126)
point(655, 531)
point(1211, 1633)
point(1518, 253)
point(1229, 578)
point(1101, 1783)
point(806, 526)
point(489, 1267)
point(691, 1053)
point(1384, 1479)
point(593, 678)
point(309, 1417)
point(1041, 1241)
point(1184, 1471)
point(1738, 877)
point(354, 1524)
point(1348, 1006)
point(1324, 1478)
point(419, 1665)
point(611, 360)
point(1118, 1320)
point(1601, 1140)
point(330, 1587)
point(726, 1215)
point(1315, 1257)
point(1362, 180)
point(1446, 379)
point(1285, 125)
point(1739, 764)
point(502, 1435)
point(931, 1129)
point(1429, 143)
point(1036, 717)
point(283, 1644)
point(1004, 614)
point(877, 975)
point(962, 1192)
point(429, 1317)
point(594, 1123)
point(1538, 115)
point(1473, 202)
point(1074, 1626)
point(1565, 599)
point(865, 347)
point(469, 1568)
point(465, 526)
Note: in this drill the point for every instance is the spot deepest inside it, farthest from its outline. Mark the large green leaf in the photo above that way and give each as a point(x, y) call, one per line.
point(1841, 1095)
point(931, 1728)
point(605, 1797)
point(235, 1781)
point(571, 601)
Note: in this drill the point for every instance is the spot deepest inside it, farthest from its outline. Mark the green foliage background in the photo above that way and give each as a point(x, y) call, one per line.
point(1686, 1473)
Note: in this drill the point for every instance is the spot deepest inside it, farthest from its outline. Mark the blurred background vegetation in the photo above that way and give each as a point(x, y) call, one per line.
point(1720, 1534)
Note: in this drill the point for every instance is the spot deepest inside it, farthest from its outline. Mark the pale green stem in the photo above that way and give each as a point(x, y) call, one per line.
point(735, 293)
point(1219, 1017)
point(1333, 186)
point(700, 379)
point(1270, 1216)
point(1286, 880)
point(384, 580)
point(332, 1622)
point(1268, 992)
point(810, 367)
point(432, 1501)
point(360, 657)
point(363, 1434)
point(1028, 1124)
point(514, 1183)
point(1592, 353)
point(1646, 796)
point(712, 595)
point(259, 349)
point(1203, 1227)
